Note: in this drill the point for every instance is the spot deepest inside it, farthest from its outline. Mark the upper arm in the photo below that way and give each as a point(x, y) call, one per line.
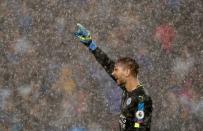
point(105, 61)
point(144, 109)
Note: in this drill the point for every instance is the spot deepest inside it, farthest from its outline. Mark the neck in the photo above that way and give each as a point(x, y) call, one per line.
point(132, 84)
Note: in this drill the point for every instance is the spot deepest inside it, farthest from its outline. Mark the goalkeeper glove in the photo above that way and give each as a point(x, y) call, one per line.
point(84, 36)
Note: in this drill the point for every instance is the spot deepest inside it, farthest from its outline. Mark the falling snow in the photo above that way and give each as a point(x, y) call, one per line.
point(50, 81)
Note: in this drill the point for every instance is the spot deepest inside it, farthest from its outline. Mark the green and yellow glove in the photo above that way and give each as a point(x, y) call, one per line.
point(84, 36)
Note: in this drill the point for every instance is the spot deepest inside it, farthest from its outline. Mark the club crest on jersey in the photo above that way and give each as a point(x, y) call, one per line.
point(129, 101)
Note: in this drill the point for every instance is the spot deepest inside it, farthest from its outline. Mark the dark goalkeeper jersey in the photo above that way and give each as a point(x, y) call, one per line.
point(136, 106)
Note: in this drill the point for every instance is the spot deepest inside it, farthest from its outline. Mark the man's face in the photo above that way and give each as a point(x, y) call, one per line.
point(120, 74)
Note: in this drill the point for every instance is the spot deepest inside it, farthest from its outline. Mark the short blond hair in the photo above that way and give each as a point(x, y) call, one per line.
point(129, 63)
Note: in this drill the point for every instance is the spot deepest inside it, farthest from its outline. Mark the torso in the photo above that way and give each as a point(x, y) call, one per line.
point(130, 105)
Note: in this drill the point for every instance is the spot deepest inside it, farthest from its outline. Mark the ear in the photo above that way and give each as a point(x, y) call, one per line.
point(127, 72)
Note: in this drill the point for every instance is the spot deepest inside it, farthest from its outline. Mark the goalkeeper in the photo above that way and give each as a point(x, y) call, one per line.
point(136, 105)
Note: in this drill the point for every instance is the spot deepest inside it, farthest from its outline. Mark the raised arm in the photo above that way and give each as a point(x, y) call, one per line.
point(104, 60)
point(84, 36)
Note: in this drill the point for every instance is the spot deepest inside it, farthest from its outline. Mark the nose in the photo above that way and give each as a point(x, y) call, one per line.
point(112, 73)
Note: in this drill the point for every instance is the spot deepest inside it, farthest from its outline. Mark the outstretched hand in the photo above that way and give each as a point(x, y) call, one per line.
point(83, 34)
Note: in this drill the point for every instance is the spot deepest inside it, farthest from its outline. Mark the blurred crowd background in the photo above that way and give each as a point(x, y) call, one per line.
point(50, 82)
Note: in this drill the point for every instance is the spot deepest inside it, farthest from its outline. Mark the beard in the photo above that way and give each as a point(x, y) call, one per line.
point(120, 82)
